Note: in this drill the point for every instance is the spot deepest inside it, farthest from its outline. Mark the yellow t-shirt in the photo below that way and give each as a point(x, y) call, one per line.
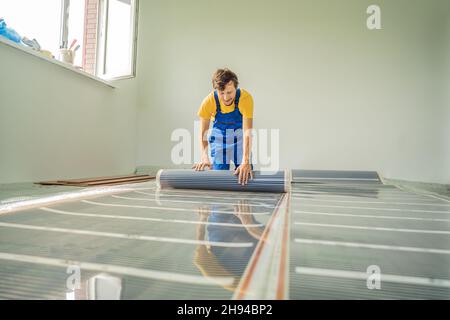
point(208, 108)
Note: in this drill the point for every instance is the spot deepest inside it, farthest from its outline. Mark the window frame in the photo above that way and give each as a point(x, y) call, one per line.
point(63, 38)
point(65, 4)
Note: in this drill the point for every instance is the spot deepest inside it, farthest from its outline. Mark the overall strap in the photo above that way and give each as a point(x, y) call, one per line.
point(238, 97)
point(216, 97)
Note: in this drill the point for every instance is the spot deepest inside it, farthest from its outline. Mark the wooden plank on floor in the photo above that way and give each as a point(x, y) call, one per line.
point(99, 181)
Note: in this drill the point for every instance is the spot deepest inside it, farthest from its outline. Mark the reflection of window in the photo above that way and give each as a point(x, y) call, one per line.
point(104, 287)
point(104, 31)
point(117, 38)
point(100, 287)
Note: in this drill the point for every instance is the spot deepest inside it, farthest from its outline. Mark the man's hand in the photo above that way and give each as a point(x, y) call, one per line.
point(202, 165)
point(243, 211)
point(244, 171)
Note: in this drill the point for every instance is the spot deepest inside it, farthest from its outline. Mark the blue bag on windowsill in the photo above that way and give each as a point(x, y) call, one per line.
point(9, 33)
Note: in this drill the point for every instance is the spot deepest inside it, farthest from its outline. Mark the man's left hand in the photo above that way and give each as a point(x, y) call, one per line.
point(244, 171)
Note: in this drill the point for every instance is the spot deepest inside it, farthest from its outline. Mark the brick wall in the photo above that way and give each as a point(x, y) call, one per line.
point(90, 36)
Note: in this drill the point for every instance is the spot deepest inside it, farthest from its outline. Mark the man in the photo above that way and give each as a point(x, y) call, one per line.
point(231, 110)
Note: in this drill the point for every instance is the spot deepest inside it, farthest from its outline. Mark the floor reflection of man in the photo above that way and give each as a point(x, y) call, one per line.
point(214, 261)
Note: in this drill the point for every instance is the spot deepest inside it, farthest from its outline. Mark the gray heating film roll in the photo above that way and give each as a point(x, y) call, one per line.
point(225, 180)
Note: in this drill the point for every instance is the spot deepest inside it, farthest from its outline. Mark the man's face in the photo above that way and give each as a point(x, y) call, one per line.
point(228, 95)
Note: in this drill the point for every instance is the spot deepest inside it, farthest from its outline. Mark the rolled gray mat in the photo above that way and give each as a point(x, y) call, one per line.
point(263, 181)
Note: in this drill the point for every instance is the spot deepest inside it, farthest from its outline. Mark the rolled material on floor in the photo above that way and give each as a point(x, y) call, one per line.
point(225, 180)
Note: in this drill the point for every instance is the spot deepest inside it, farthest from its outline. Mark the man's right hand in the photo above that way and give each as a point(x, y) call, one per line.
point(202, 165)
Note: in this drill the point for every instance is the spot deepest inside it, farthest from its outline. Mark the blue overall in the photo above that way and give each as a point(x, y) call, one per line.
point(233, 259)
point(226, 137)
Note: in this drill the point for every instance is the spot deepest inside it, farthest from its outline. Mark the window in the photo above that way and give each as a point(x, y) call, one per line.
point(117, 40)
point(40, 20)
point(100, 33)
point(75, 29)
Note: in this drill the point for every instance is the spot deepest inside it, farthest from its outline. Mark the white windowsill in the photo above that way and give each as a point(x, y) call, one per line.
point(54, 61)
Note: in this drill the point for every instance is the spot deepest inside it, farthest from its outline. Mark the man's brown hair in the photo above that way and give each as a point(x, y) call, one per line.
point(222, 77)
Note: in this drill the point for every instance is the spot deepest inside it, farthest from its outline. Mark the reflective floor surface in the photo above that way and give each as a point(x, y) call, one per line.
point(335, 236)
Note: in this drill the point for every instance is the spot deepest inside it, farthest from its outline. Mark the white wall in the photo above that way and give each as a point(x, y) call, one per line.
point(57, 124)
point(343, 97)
point(446, 134)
